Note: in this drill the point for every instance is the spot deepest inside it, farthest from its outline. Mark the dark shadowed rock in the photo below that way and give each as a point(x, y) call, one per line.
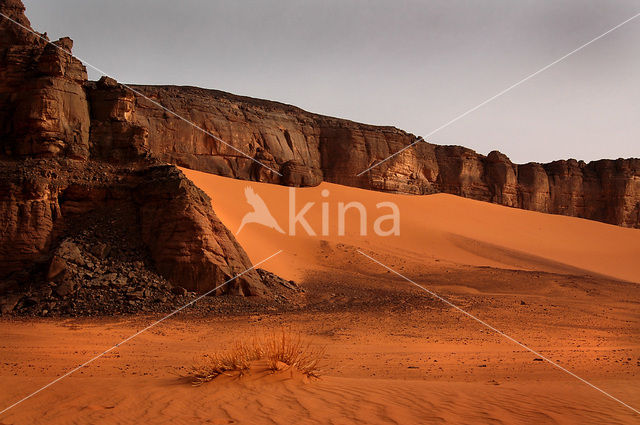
point(8, 303)
point(187, 241)
point(179, 290)
point(61, 167)
point(101, 250)
point(66, 288)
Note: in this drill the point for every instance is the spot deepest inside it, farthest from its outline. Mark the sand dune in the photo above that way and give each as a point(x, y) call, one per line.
point(564, 286)
point(437, 229)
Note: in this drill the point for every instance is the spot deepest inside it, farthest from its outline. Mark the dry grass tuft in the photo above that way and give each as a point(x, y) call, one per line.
point(232, 362)
point(281, 351)
point(292, 351)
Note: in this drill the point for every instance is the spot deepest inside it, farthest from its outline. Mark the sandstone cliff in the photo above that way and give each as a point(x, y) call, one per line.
point(59, 168)
point(43, 105)
point(307, 148)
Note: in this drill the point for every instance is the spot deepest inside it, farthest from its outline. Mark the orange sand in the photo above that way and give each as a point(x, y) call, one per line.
point(441, 228)
point(564, 286)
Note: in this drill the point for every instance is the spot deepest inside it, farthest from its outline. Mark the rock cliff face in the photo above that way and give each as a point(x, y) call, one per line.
point(43, 201)
point(67, 159)
point(43, 105)
point(189, 244)
point(307, 148)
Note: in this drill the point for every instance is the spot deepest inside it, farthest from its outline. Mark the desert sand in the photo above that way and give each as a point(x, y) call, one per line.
point(566, 287)
point(438, 228)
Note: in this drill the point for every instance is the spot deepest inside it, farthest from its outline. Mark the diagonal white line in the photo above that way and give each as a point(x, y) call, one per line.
point(419, 139)
point(511, 87)
point(136, 334)
point(138, 93)
point(485, 324)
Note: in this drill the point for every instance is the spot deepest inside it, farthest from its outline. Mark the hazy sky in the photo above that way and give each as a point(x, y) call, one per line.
point(411, 64)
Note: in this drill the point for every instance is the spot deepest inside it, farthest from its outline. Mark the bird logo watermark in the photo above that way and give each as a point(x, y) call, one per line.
point(260, 213)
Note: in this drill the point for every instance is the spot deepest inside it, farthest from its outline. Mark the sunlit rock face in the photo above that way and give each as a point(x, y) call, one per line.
point(43, 105)
point(306, 149)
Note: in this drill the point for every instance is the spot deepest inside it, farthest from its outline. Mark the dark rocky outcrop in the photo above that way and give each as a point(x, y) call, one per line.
point(44, 201)
point(188, 243)
point(69, 162)
point(43, 105)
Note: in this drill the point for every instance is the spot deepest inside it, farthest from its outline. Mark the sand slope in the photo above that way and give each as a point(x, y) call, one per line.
point(394, 355)
point(439, 230)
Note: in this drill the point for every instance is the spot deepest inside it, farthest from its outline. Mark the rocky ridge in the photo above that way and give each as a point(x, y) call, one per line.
point(307, 149)
point(88, 217)
point(92, 233)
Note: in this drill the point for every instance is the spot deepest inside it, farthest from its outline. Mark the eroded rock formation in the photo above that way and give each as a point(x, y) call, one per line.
point(43, 201)
point(43, 104)
point(68, 161)
point(307, 148)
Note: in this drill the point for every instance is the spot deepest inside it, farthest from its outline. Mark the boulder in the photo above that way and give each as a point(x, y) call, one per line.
point(66, 288)
point(8, 303)
point(187, 241)
point(101, 250)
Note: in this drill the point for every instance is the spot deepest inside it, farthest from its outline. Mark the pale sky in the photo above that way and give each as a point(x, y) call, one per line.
point(411, 64)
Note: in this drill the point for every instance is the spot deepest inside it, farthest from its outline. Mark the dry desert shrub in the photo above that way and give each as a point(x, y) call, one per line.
point(285, 349)
point(234, 361)
point(281, 350)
